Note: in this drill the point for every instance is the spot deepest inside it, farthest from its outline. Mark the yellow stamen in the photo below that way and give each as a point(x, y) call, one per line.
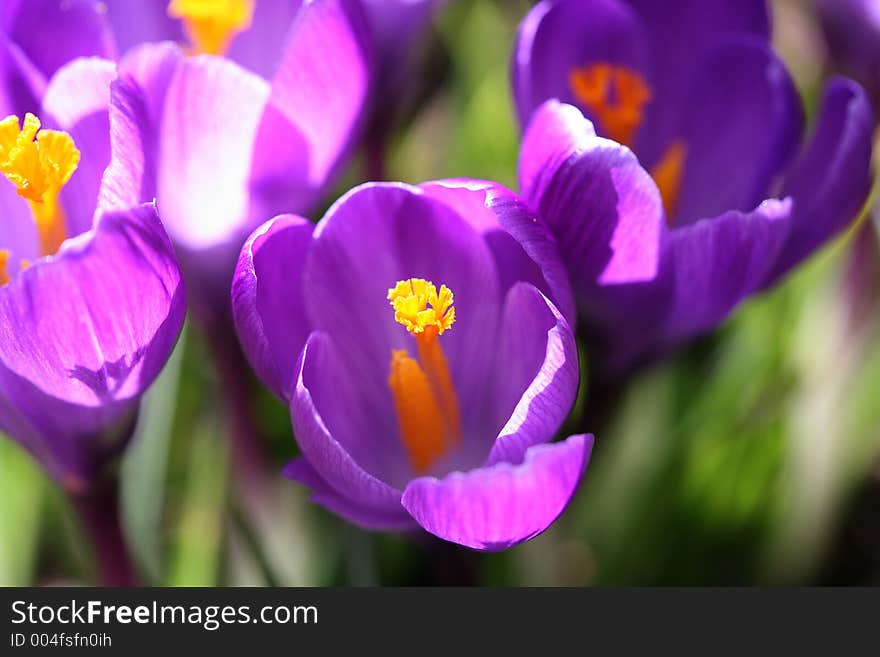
point(423, 391)
point(211, 25)
point(4, 271)
point(39, 163)
point(667, 173)
point(615, 96)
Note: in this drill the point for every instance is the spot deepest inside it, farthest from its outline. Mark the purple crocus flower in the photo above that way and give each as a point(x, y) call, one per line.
point(222, 147)
point(852, 33)
point(412, 333)
point(91, 295)
point(705, 196)
point(37, 37)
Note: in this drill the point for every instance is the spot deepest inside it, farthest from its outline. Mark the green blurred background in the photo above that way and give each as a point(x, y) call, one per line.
point(751, 457)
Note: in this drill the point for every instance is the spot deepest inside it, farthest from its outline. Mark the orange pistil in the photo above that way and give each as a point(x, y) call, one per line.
point(424, 395)
point(667, 173)
point(211, 25)
point(614, 95)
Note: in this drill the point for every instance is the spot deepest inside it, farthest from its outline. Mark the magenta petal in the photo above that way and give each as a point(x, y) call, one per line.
point(536, 374)
point(523, 247)
point(21, 84)
point(85, 333)
point(326, 496)
point(78, 99)
point(497, 507)
point(321, 85)
point(267, 300)
point(339, 432)
point(206, 137)
point(52, 33)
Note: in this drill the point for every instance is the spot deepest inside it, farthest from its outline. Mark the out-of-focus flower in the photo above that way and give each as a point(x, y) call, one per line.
point(852, 33)
point(426, 368)
point(91, 295)
point(37, 37)
point(224, 148)
point(707, 199)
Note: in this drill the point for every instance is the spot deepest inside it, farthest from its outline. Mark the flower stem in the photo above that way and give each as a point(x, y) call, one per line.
point(98, 511)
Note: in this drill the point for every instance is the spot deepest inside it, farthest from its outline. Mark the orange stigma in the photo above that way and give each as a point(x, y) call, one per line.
point(667, 173)
point(211, 25)
point(39, 163)
point(424, 395)
point(4, 263)
point(615, 96)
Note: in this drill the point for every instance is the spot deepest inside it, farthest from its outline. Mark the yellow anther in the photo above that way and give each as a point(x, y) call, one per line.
point(211, 25)
point(418, 305)
point(39, 163)
point(614, 95)
point(423, 390)
point(667, 173)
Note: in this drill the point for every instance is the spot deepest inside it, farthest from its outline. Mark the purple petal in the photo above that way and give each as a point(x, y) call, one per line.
point(744, 87)
point(78, 98)
point(206, 136)
point(681, 33)
point(326, 496)
point(137, 99)
point(341, 434)
point(260, 47)
point(267, 300)
point(52, 33)
point(19, 235)
point(523, 247)
point(497, 507)
point(317, 101)
point(715, 263)
point(536, 374)
point(21, 84)
point(560, 35)
point(136, 21)
point(75, 367)
point(831, 180)
point(600, 204)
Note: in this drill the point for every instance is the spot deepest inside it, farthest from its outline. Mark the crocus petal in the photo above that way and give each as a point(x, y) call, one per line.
point(560, 35)
point(19, 235)
point(78, 99)
point(831, 179)
point(500, 506)
point(267, 299)
point(326, 496)
point(381, 233)
point(259, 48)
point(317, 99)
point(600, 204)
point(744, 87)
point(137, 99)
point(212, 110)
point(340, 434)
point(680, 34)
point(715, 263)
point(111, 304)
point(135, 22)
point(21, 84)
point(51, 33)
point(536, 374)
point(523, 247)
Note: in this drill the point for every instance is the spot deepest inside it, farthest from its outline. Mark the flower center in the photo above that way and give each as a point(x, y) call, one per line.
point(211, 25)
point(616, 97)
point(424, 396)
point(39, 163)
